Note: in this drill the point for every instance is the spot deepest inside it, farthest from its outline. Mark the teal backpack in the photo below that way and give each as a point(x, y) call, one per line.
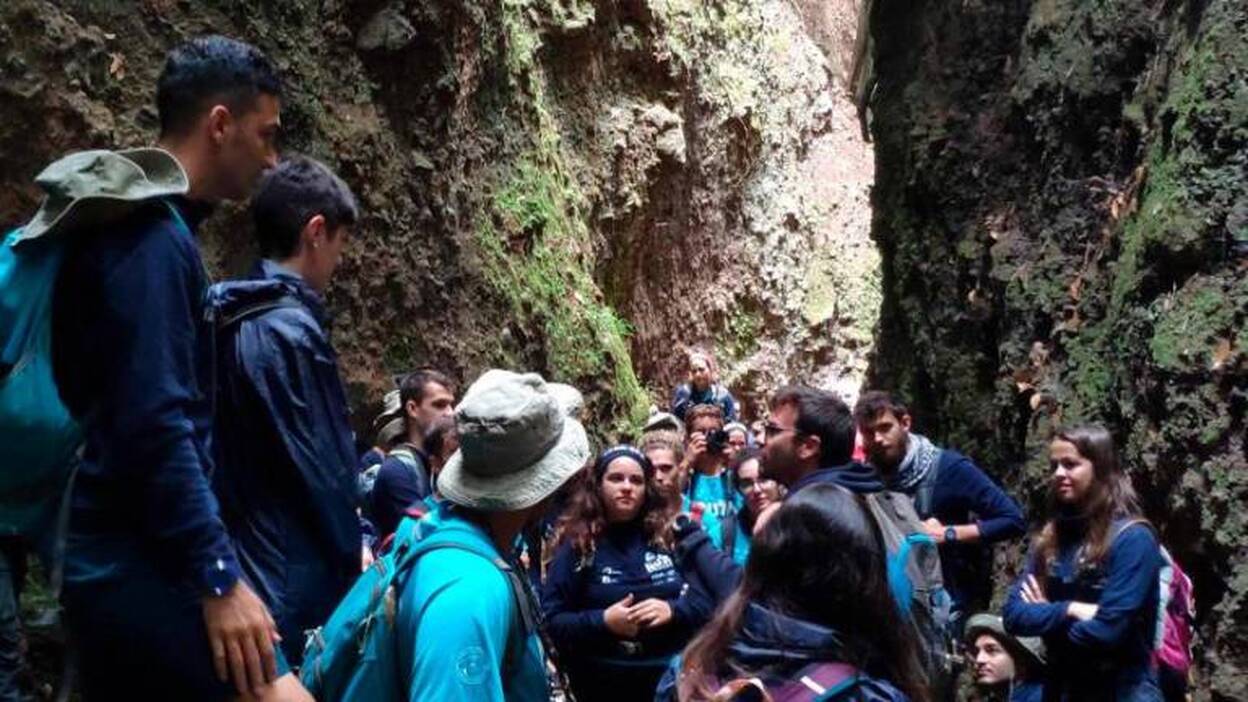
point(38, 438)
point(354, 656)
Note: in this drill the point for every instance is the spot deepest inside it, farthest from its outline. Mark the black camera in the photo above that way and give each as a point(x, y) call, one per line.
point(716, 441)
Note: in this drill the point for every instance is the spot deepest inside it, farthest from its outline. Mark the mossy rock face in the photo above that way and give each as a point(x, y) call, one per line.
point(1061, 208)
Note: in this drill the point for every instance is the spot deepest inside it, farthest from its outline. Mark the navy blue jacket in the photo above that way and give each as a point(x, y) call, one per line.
point(686, 397)
point(779, 647)
point(574, 598)
point(399, 485)
point(1108, 656)
point(858, 478)
point(287, 464)
point(962, 489)
point(132, 359)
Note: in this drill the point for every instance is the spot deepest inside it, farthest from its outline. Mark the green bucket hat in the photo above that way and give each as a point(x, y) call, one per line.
point(1028, 647)
point(517, 443)
point(101, 186)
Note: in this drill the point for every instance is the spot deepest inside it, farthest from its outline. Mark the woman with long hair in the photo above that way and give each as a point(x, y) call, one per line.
point(1090, 586)
point(615, 603)
point(759, 492)
point(812, 615)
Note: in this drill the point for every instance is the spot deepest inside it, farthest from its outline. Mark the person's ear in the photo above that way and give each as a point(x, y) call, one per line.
point(810, 447)
point(220, 122)
point(411, 408)
point(315, 233)
point(904, 421)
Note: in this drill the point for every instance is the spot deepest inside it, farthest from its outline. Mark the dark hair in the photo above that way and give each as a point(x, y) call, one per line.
point(789, 572)
point(413, 385)
point(822, 414)
point(742, 457)
point(208, 71)
point(442, 429)
point(585, 517)
point(700, 412)
point(1111, 495)
point(873, 403)
point(297, 190)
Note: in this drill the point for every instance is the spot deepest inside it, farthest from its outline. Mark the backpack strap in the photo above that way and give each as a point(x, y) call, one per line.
point(816, 682)
point(256, 308)
point(524, 623)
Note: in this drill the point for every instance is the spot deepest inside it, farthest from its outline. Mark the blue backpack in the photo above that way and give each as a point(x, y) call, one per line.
point(354, 656)
point(38, 437)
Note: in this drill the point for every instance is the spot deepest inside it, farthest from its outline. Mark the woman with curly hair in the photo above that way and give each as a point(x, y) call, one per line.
point(1090, 587)
point(616, 606)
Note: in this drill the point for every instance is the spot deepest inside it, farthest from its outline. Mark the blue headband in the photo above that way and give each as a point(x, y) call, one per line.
point(622, 451)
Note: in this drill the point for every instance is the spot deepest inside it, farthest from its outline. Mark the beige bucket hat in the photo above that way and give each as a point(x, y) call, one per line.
point(100, 186)
point(517, 444)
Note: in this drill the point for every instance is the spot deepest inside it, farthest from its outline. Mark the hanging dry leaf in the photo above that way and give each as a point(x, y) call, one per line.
point(1221, 353)
point(117, 67)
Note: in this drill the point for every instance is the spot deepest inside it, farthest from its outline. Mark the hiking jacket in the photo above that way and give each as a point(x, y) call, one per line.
point(453, 622)
point(782, 646)
point(400, 483)
point(131, 352)
point(286, 468)
point(1109, 656)
point(858, 478)
point(961, 490)
point(686, 397)
point(578, 592)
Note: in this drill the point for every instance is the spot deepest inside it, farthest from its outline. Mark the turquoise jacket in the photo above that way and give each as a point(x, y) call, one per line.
point(454, 618)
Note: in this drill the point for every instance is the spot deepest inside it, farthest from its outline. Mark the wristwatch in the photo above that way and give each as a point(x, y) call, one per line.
point(951, 535)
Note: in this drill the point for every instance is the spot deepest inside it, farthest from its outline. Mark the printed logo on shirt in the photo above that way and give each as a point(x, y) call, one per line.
point(609, 575)
point(470, 665)
point(658, 561)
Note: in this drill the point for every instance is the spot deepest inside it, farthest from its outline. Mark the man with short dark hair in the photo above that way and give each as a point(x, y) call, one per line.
point(152, 585)
point(962, 508)
point(286, 474)
point(810, 439)
point(404, 479)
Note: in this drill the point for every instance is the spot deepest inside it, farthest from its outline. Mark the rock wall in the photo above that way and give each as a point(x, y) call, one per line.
point(1062, 211)
point(577, 187)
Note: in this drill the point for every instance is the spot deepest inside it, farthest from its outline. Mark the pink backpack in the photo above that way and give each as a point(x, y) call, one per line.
point(1175, 618)
point(1176, 610)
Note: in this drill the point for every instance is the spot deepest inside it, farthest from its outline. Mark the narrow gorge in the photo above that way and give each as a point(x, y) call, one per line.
point(1015, 212)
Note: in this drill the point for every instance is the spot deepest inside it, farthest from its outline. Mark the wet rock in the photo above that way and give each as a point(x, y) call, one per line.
point(387, 30)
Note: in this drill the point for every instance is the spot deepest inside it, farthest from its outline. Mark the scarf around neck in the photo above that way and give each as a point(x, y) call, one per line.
point(921, 456)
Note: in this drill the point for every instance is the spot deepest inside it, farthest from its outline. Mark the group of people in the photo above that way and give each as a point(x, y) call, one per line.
point(221, 515)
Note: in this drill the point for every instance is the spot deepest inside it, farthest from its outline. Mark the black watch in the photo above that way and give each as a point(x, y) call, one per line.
point(951, 535)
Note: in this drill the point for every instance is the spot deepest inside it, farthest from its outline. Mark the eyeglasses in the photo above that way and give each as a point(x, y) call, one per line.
point(771, 430)
point(748, 484)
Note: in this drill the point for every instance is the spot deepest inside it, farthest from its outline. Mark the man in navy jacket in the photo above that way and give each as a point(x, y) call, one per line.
point(286, 475)
point(963, 510)
point(152, 585)
point(810, 440)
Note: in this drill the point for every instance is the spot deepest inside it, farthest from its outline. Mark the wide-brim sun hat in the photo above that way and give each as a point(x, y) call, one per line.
point(517, 444)
point(390, 424)
point(99, 186)
point(1029, 647)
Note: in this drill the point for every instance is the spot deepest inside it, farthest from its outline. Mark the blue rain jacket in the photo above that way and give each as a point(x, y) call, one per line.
point(286, 457)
